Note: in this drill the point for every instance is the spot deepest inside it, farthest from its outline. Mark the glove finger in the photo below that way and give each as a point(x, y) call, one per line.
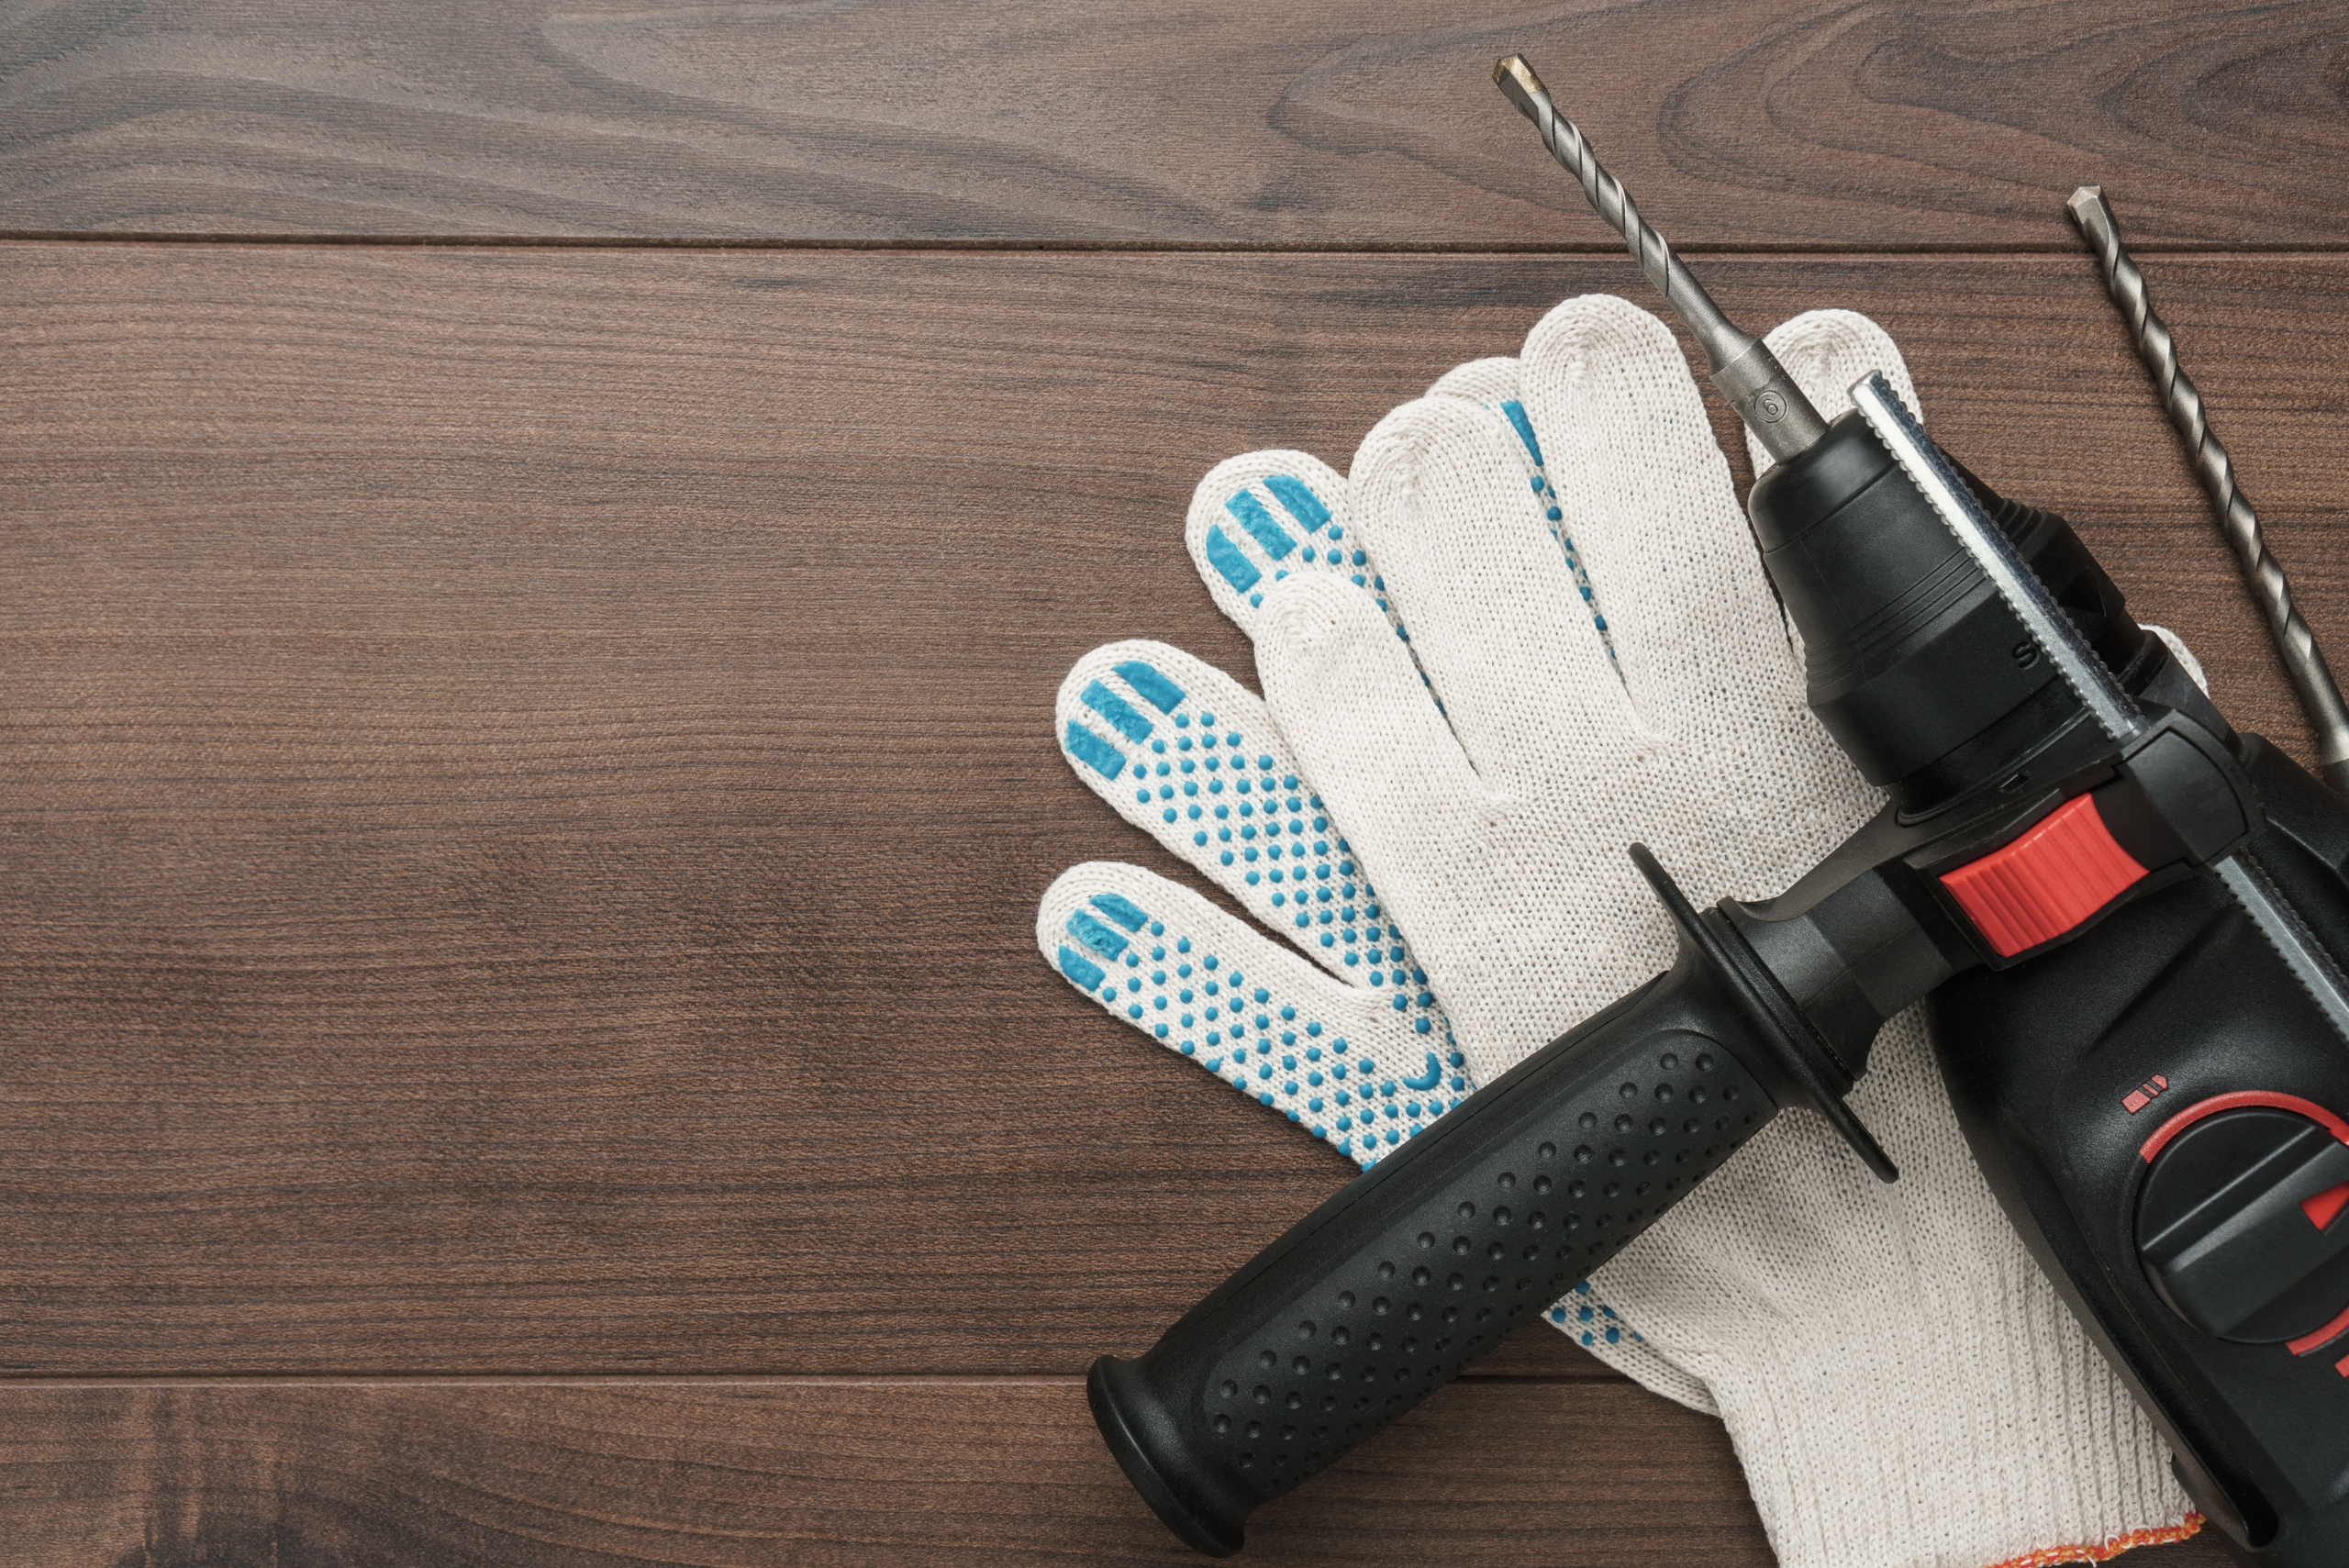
point(1494, 385)
point(1647, 495)
point(1826, 351)
point(1258, 517)
point(1350, 699)
point(1194, 759)
point(1436, 838)
point(1442, 496)
point(1113, 932)
point(1479, 380)
point(1335, 1059)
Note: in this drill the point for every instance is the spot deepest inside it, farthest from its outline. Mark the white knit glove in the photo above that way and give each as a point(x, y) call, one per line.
point(1902, 1385)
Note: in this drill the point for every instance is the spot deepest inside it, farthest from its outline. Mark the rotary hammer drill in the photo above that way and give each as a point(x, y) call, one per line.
point(2128, 918)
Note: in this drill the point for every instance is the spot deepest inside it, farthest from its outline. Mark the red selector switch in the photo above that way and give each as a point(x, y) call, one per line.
point(2040, 886)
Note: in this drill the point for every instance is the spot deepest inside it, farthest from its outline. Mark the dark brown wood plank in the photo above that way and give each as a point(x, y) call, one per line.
point(524, 778)
point(1762, 122)
point(735, 1476)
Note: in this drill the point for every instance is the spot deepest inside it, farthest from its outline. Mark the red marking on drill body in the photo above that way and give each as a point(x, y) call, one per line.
point(2325, 1204)
point(2217, 1103)
point(2321, 1338)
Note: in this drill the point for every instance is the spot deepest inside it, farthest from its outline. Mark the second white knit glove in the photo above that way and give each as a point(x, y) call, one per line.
point(1902, 1385)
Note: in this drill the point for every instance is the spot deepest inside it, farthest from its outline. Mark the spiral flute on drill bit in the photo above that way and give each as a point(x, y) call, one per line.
point(1748, 374)
point(2303, 660)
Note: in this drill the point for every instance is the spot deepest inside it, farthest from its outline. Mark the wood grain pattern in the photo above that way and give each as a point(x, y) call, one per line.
point(524, 778)
point(736, 1476)
point(525, 773)
point(1762, 122)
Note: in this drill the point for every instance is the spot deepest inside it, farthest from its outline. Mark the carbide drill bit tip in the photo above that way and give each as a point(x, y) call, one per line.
point(2303, 660)
point(1748, 374)
point(1518, 84)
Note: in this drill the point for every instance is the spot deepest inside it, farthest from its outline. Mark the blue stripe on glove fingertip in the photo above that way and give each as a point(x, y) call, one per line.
point(1095, 934)
point(1153, 687)
point(1086, 976)
point(1117, 711)
point(1250, 515)
point(1516, 412)
point(1125, 911)
point(1298, 497)
point(1094, 751)
point(1235, 568)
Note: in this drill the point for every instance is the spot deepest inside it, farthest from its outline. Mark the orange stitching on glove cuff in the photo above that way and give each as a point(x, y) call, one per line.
point(2190, 1525)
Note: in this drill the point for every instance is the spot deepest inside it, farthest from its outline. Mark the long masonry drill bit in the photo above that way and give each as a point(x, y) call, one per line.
point(1748, 374)
point(2303, 660)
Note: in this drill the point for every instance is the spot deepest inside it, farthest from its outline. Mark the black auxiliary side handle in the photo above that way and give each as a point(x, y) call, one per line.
point(1380, 1296)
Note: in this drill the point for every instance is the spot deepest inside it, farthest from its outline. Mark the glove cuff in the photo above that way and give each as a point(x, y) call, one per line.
point(1904, 1451)
point(1903, 1386)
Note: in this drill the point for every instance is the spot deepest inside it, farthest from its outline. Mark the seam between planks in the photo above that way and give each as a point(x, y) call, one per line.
point(2065, 247)
point(667, 1380)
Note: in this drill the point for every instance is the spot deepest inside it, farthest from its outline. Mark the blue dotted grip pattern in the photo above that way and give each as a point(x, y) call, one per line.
point(1384, 1294)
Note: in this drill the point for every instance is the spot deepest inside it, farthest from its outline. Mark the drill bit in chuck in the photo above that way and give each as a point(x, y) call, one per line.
point(2303, 660)
point(1749, 375)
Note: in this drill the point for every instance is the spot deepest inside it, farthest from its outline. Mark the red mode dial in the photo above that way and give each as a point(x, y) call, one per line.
point(2244, 1221)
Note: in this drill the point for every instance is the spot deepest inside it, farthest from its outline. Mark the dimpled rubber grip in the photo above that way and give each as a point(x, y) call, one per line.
point(1384, 1294)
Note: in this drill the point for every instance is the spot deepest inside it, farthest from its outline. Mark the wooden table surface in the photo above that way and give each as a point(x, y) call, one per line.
point(542, 543)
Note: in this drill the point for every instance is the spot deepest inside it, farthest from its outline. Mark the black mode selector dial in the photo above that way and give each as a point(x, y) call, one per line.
point(2244, 1224)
